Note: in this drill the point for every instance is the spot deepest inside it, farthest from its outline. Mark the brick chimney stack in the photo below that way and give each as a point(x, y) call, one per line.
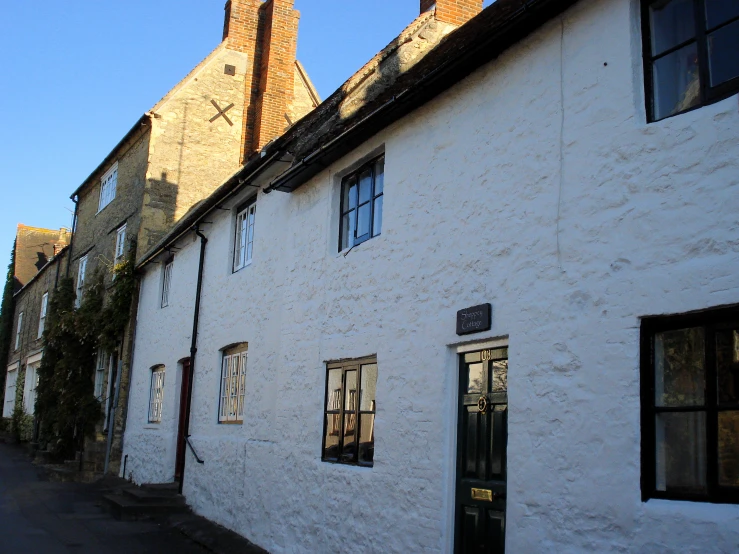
point(268, 33)
point(456, 12)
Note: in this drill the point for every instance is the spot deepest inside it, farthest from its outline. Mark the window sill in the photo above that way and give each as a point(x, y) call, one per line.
point(152, 426)
point(344, 253)
point(241, 422)
point(247, 264)
point(366, 465)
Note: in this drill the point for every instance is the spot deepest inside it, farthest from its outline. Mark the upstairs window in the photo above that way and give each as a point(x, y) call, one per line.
point(81, 280)
point(244, 242)
point(233, 385)
point(349, 416)
point(361, 204)
point(18, 331)
point(120, 244)
point(167, 282)
point(42, 317)
point(156, 395)
point(690, 406)
point(108, 185)
point(691, 54)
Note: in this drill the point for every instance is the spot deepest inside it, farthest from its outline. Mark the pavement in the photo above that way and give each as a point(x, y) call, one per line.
point(45, 517)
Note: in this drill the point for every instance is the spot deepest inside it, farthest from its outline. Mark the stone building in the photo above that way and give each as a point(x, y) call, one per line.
point(241, 96)
point(474, 305)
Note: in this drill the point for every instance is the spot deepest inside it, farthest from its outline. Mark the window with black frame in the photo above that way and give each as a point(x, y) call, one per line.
point(691, 54)
point(361, 204)
point(349, 414)
point(690, 406)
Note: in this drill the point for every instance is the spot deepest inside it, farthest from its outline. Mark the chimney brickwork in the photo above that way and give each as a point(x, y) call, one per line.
point(268, 33)
point(456, 12)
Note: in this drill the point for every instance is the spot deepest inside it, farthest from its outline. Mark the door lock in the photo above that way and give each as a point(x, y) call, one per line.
point(482, 404)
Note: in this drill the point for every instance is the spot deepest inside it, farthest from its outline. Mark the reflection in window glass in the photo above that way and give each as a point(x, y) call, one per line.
point(672, 23)
point(500, 376)
point(676, 82)
point(723, 53)
point(681, 452)
point(331, 440)
point(727, 365)
point(475, 379)
point(720, 11)
point(728, 449)
point(679, 368)
point(369, 384)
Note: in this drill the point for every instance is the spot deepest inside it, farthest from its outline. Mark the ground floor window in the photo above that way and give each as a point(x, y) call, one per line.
point(349, 414)
point(101, 366)
point(690, 406)
point(233, 385)
point(156, 395)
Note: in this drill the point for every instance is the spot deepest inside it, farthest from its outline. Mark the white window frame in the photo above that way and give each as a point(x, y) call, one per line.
point(10, 383)
point(18, 331)
point(102, 364)
point(80, 281)
point(42, 317)
point(120, 243)
point(30, 386)
point(233, 386)
point(108, 186)
point(156, 394)
point(244, 236)
point(167, 282)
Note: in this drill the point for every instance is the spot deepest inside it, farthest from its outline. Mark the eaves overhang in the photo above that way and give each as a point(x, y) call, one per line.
point(454, 58)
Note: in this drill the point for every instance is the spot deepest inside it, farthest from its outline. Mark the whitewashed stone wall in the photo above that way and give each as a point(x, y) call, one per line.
point(535, 185)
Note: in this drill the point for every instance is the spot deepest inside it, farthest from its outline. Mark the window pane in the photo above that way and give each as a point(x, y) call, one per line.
point(679, 369)
point(671, 23)
point(676, 82)
point(500, 376)
point(348, 450)
point(727, 365)
point(333, 402)
point(351, 391)
point(728, 449)
point(369, 387)
point(367, 438)
point(719, 11)
point(681, 452)
point(723, 53)
point(347, 230)
point(363, 221)
point(331, 441)
point(365, 186)
point(379, 176)
point(377, 218)
point(350, 194)
point(474, 378)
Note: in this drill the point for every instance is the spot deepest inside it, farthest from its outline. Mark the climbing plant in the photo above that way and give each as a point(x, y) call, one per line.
point(6, 318)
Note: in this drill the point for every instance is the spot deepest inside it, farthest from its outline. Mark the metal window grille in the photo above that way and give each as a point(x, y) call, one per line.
point(233, 388)
point(167, 282)
point(81, 281)
point(120, 243)
point(42, 317)
point(108, 185)
point(157, 395)
point(244, 243)
point(102, 364)
point(18, 331)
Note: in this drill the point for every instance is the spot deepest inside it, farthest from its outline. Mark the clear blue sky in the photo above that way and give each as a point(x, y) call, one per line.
point(76, 75)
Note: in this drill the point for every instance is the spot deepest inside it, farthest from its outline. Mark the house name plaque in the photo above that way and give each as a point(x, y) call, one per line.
point(474, 320)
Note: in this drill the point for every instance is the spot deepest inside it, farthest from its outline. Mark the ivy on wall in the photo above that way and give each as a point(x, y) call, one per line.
point(6, 320)
point(65, 403)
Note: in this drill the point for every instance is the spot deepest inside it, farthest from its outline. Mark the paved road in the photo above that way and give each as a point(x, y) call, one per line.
point(42, 517)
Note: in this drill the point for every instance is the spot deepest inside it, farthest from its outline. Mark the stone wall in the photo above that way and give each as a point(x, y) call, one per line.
point(535, 184)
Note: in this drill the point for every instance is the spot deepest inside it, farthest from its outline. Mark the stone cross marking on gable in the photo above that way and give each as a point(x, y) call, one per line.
point(221, 112)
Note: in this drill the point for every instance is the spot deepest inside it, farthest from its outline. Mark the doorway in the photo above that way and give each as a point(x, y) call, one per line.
point(482, 436)
point(182, 421)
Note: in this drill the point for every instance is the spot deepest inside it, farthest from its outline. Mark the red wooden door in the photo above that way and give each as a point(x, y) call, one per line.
point(184, 395)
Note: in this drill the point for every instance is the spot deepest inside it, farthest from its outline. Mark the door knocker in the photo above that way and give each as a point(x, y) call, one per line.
point(482, 404)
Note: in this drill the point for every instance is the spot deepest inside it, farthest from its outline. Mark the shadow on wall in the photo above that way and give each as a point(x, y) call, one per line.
point(163, 201)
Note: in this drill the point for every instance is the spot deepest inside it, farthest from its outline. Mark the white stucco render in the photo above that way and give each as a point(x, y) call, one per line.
point(535, 185)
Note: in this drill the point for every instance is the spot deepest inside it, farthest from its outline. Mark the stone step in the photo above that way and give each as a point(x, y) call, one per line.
point(153, 496)
point(173, 487)
point(126, 508)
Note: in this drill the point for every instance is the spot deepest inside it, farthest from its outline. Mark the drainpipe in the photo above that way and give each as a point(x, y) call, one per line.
point(76, 200)
point(194, 344)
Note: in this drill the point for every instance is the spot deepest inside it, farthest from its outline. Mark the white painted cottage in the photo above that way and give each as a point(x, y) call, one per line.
point(488, 300)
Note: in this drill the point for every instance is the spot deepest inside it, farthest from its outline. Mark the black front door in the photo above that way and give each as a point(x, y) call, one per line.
point(481, 452)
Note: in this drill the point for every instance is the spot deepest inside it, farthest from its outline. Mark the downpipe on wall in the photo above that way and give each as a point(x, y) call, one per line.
point(193, 347)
